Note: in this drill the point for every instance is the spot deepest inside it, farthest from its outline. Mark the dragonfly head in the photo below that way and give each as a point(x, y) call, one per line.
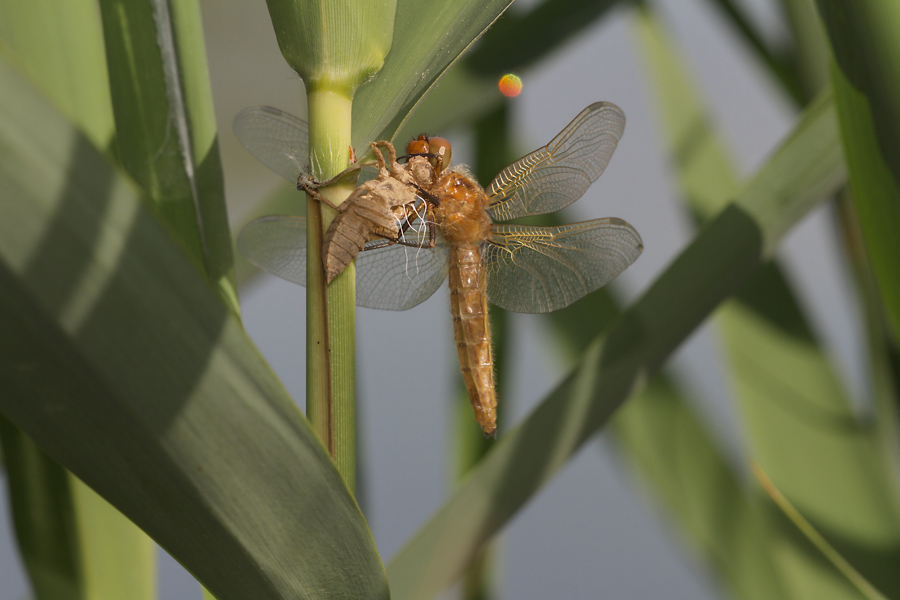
point(437, 149)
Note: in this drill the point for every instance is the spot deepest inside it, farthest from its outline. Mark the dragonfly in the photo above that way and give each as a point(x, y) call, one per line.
point(521, 268)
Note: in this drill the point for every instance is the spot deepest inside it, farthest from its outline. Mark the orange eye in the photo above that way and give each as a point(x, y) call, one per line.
point(440, 150)
point(418, 145)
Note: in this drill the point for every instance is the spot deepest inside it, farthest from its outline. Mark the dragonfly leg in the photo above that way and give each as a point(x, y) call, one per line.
point(306, 183)
point(346, 172)
point(379, 157)
point(392, 153)
point(427, 196)
point(311, 186)
point(375, 244)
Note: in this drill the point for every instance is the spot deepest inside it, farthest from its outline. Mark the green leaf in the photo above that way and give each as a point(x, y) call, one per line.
point(468, 91)
point(165, 125)
point(793, 402)
point(68, 536)
point(518, 41)
point(671, 451)
point(861, 585)
point(75, 545)
point(804, 169)
point(124, 365)
point(676, 457)
point(866, 81)
point(428, 38)
point(58, 44)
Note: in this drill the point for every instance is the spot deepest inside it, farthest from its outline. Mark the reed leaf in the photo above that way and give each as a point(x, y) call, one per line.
point(125, 366)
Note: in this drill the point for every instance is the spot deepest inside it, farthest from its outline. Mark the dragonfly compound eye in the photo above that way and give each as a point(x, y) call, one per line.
point(440, 152)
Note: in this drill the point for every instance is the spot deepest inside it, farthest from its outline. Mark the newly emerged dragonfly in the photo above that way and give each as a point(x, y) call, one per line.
point(517, 267)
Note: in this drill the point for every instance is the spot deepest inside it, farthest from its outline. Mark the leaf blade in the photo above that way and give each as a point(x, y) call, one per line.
point(141, 381)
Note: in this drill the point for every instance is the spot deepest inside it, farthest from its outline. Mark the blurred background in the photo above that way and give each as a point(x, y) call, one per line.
point(591, 532)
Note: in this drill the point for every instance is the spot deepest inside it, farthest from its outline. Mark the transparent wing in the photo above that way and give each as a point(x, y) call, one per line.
point(542, 269)
point(395, 277)
point(276, 244)
point(558, 174)
point(279, 140)
point(401, 276)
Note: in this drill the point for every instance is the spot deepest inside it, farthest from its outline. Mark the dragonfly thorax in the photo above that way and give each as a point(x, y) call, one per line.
point(460, 215)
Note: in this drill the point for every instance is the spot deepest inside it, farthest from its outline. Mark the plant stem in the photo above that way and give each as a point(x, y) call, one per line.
point(330, 310)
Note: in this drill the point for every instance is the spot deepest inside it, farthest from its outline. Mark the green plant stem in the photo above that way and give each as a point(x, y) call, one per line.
point(330, 310)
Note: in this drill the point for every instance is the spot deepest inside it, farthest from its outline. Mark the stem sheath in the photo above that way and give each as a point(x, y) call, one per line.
point(330, 310)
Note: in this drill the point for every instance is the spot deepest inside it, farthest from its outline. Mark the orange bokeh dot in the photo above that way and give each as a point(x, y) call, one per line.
point(510, 85)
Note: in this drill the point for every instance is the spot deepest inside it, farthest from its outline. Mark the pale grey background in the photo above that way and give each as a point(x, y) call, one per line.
point(589, 534)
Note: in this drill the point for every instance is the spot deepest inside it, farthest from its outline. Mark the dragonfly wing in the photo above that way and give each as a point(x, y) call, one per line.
point(279, 140)
point(558, 174)
point(399, 277)
point(542, 269)
point(276, 244)
point(395, 277)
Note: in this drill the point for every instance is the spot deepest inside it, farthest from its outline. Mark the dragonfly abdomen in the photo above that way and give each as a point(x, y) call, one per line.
point(468, 307)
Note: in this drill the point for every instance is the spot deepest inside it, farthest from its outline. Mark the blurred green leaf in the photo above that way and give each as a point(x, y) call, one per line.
point(793, 402)
point(840, 564)
point(675, 456)
point(518, 41)
point(58, 44)
point(469, 90)
point(866, 81)
point(165, 125)
point(809, 57)
point(775, 59)
point(672, 453)
point(805, 168)
point(428, 38)
point(74, 544)
point(125, 366)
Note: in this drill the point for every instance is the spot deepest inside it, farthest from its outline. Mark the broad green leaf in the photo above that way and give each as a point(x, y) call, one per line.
point(165, 126)
point(74, 544)
point(782, 375)
point(126, 367)
point(428, 38)
point(459, 97)
point(810, 55)
point(58, 44)
point(806, 167)
point(866, 81)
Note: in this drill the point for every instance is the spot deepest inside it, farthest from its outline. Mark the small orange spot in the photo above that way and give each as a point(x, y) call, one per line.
point(510, 85)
